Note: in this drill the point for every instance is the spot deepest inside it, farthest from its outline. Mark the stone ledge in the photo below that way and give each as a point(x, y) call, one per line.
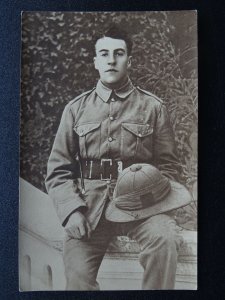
point(38, 216)
point(123, 246)
point(40, 229)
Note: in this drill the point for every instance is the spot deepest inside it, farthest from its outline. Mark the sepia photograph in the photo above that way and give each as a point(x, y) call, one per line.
point(108, 151)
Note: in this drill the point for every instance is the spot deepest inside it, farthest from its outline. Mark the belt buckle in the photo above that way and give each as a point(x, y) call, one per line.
point(103, 160)
point(119, 166)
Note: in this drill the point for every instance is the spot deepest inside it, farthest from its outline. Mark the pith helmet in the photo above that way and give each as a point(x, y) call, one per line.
point(142, 191)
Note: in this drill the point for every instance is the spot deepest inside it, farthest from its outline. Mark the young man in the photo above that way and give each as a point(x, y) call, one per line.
point(102, 132)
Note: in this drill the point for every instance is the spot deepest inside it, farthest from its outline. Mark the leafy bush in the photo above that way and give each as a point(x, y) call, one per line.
point(57, 65)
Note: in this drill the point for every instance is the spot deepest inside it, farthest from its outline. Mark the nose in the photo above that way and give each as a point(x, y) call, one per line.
point(111, 59)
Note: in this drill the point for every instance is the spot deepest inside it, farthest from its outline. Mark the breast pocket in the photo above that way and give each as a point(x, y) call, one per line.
point(136, 141)
point(89, 139)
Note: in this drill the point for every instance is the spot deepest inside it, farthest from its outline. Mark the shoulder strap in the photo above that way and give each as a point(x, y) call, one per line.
point(150, 94)
point(83, 94)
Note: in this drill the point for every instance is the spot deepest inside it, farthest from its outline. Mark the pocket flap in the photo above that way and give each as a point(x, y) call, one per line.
point(83, 129)
point(140, 130)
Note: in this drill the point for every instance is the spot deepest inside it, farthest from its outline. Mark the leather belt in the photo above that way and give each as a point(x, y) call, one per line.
point(104, 169)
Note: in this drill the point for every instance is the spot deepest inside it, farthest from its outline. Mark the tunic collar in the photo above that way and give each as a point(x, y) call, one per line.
point(105, 93)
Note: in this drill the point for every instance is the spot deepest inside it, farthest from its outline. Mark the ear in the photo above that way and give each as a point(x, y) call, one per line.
point(95, 63)
point(129, 62)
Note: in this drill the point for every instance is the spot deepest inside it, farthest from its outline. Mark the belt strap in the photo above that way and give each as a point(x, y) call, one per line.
point(104, 169)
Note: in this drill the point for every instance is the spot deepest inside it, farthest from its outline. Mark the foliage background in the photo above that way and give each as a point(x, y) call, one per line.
point(57, 65)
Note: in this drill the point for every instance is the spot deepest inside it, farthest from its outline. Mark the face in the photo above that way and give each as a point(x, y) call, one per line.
point(112, 60)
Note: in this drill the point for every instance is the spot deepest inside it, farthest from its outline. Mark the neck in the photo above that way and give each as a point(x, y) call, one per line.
point(117, 85)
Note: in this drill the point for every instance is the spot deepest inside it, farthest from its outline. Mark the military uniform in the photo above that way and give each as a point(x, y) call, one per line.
point(109, 130)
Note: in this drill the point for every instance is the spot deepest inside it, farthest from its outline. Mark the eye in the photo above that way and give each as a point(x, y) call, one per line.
point(119, 53)
point(104, 54)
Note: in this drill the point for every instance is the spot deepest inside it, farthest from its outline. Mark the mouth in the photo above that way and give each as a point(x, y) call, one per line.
point(111, 70)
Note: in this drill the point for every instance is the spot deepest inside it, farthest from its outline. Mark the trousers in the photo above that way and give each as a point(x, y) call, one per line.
point(159, 239)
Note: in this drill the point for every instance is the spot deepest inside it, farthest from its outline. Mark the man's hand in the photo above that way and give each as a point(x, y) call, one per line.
point(78, 226)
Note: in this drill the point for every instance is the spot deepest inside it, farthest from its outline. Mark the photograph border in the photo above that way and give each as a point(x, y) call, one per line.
point(212, 121)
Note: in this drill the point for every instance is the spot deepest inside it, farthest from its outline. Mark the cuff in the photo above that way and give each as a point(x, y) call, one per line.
point(81, 209)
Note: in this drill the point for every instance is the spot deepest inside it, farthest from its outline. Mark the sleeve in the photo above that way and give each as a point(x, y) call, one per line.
point(61, 182)
point(165, 155)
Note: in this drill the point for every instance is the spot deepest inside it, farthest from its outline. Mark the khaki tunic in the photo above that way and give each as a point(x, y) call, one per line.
point(124, 124)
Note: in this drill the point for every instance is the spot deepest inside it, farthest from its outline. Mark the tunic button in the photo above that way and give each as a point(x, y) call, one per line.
point(110, 139)
point(140, 135)
point(111, 118)
point(108, 181)
point(113, 100)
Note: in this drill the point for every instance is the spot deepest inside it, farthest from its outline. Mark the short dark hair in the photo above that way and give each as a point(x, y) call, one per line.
point(115, 32)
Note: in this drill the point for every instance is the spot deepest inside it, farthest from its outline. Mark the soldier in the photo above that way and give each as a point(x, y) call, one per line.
point(101, 133)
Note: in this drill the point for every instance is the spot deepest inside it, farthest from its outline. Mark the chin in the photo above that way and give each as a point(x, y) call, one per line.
point(111, 81)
